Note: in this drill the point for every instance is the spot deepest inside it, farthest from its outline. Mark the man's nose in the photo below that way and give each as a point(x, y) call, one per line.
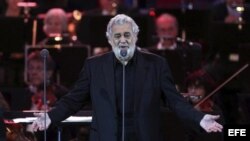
point(123, 39)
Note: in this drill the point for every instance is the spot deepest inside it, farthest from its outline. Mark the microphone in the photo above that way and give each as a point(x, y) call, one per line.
point(44, 53)
point(123, 56)
point(123, 53)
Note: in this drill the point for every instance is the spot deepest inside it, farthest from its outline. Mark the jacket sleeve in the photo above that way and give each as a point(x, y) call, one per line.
point(176, 102)
point(77, 97)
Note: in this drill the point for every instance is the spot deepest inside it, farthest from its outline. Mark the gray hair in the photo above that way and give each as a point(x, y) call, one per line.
point(57, 12)
point(121, 19)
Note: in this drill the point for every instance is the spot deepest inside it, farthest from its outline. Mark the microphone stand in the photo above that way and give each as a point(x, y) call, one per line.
point(123, 53)
point(123, 101)
point(44, 53)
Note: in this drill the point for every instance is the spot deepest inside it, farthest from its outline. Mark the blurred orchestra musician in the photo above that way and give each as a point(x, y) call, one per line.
point(35, 74)
point(231, 12)
point(199, 84)
point(10, 8)
point(56, 29)
point(167, 34)
point(167, 29)
point(32, 96)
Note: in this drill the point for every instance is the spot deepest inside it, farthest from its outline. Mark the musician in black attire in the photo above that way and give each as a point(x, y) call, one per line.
point(187, 54)
point(199, 84)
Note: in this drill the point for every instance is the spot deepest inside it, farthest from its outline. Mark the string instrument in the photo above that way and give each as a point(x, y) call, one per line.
point(207, 98)
point(37, 98)
point(15, 132)
point(205, 103)
point(206, 106)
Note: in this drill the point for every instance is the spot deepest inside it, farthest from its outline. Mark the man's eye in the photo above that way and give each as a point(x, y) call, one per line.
point(127, 35)
point(117, 36)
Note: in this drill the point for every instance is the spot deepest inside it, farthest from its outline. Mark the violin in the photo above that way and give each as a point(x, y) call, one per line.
point(220, 86)
point(15, 132)
point(38, 101)
point(206, 106)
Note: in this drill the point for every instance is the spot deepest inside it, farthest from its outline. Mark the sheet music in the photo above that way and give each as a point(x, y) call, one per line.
point(70, 119)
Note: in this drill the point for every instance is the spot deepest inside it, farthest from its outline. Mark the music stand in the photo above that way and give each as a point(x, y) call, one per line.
point(69, 61)
point(181, 62)
point(12, 35)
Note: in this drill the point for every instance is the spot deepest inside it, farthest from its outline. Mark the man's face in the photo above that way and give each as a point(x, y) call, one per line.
point(166, 27)
point(53, 26)
point(196, 93)
point(35, 72)
point(122, 36)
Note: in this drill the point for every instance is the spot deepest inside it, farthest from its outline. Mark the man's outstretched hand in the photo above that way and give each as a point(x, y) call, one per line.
point(209, 124)
point(39, 124)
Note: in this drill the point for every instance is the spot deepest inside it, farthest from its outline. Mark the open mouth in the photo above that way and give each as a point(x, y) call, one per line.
point(123, 47)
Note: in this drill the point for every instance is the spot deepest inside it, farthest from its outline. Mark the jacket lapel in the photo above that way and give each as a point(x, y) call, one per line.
point(108, 69)
point(140, 75)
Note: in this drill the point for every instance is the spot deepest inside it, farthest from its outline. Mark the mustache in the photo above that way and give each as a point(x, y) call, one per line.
point(123, 43)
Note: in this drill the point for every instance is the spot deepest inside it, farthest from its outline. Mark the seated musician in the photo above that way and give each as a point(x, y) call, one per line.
point(167, 28)
point(189, 54)
point(229, 12)
point(35, 74)
point(10, 8)
point(199, 85)
point(56, 29)
point(31, 96)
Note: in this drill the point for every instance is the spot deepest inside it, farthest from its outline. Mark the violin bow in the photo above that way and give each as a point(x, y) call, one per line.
point(221, 85)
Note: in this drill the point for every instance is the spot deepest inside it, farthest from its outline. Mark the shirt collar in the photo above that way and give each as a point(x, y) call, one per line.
point(161, 47)
point(131, 61)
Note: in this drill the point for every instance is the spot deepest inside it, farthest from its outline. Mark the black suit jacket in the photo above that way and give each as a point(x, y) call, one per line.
point(96, 82)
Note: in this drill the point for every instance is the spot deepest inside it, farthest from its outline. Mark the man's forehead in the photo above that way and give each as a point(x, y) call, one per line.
point(126, 27)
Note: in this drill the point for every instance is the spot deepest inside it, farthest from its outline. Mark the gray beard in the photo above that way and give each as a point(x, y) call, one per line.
point(124, 60)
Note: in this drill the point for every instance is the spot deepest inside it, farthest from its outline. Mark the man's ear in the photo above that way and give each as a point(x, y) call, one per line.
point(45, 29)
point(136, 38)
point(110, 42)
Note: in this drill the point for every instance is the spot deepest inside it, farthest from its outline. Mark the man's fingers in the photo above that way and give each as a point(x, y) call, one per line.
point(38, 114)
point(216, 127)
point(37, 124)
point(34, 126)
